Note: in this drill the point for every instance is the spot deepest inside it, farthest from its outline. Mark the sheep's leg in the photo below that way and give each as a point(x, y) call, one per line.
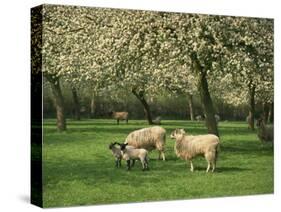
point(191, 166)
point(116, 162)
point(209, 165)
point(214, 166)
point(128, 165)
point(146, 163)
point(133, 162)
point(119, 162)
point(118, 121)
point(126, 121)
point(163, 155)
point(143, 164)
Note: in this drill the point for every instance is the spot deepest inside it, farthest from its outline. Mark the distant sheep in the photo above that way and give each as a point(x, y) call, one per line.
point(265, 133)
point(157, 120)
point(149, 139)
point(199, 118)
point(188, 146)
point(120, 116)
point(133, 154)
point(116, 152)
point(217, 117)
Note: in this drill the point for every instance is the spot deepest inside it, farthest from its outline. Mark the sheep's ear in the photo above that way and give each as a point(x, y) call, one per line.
point(182, 131)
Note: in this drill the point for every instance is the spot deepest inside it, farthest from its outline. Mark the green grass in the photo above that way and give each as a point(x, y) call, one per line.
point(79, 169)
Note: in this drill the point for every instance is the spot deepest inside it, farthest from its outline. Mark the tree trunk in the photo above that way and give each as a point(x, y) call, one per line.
point(190, 104)
point(92, 107)
point(266, 108)
point(76, 104)
point(206, 99)
point(271, 113)
point(140, 97)
point(59, 103)
point(252, 90)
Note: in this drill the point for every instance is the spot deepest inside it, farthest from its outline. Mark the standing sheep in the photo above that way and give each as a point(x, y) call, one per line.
point(149, 139)
point(157, 120)
point(217, 117)
point(133, 154)
point(189, 146)
point(265, 133)
point(116, 152)
point(199, 118)
point(120, 116)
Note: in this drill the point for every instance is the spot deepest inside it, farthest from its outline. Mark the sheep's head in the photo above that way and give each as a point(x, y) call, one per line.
point(111, 145)
point(177, 133)
point(122, 146)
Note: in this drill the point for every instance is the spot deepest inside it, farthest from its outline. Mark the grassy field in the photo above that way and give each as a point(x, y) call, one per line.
point(80, 170)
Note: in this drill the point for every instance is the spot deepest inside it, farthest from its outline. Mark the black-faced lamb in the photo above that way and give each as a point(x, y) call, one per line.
point(265, 133)
point(116, 152)
point(148, 138)
point(188, 146)
point(133, 154)
point(120, 116)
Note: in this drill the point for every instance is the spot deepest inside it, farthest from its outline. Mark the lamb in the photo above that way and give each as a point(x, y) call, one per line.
point(133, 154)
point(189, 146)
point(120, 116)
point(265, 133)
point(149, 139)
point(116, 152)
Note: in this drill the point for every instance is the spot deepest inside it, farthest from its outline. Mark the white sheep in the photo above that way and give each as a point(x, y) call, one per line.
point(149, 139)
point(199, 118)
point(157, 120)
point(189, 146)
point(116, 152)
point(120, 116)
point(265, 133)
point(217, 117)
point(133, 154)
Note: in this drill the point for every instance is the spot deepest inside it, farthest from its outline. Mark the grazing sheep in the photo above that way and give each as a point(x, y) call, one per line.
point(157, 120)
point(199, 118)
point(149, 139)
point(265, 133)
point(120, 116)
point(133, 154)
point(116, 152)
point(189, 146)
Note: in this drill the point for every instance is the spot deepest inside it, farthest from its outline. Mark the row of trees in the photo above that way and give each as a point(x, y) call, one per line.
point(147, 53)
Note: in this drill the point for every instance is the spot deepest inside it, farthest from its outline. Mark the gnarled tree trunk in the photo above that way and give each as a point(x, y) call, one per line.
point(206, 99)
point(190, 104)
point(92, 106)
point(252, 91)
point(140, 97)
point(59, 103)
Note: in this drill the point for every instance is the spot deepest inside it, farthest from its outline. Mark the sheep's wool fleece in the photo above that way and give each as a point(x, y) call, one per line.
point(148, 138)
point(188, 147)
point(134, 154)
